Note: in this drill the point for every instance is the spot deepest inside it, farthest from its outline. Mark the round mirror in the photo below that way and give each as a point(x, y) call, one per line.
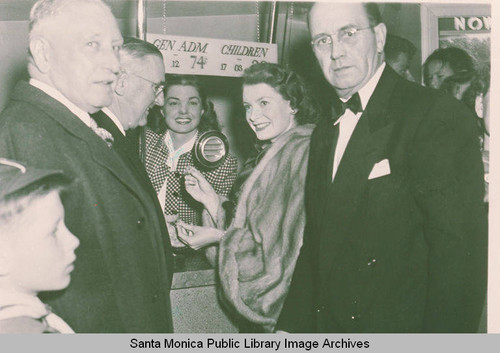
point(211, 149)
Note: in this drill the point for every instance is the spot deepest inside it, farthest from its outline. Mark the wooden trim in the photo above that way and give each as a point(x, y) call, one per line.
point(430, 13)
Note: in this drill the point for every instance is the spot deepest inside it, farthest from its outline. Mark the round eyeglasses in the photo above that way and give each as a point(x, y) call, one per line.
point(324, 42)
point(157, 87)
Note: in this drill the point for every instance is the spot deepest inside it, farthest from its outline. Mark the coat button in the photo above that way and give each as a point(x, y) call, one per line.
point(141, 222)
point(372, 262)
point(355, 317)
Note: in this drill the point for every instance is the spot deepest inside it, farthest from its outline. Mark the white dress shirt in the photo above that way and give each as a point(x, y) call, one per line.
point(113, 117)
point(349, 120)
point(58, 96)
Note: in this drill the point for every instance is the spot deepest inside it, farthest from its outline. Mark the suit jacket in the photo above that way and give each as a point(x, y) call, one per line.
point(404, 252)
point(125, 148)
point(122, 273)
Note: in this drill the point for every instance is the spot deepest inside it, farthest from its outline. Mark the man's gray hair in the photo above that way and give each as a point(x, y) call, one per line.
point(134, 50)
point(371, 9)
point(44, 9)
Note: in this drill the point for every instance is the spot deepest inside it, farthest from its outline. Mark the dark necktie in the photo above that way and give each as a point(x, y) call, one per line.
point(353, 104)
point(102, 133)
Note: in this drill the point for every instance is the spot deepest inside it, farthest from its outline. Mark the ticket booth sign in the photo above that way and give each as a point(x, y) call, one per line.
point(208, 56)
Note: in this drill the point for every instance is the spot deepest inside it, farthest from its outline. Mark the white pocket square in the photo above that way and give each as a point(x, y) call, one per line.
point(380, 169)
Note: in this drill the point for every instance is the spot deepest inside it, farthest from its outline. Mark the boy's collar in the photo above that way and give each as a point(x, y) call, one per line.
point(15, 304)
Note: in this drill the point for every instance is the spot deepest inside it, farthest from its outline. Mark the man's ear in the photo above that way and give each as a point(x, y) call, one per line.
point(380, 35)
point(121, 83)
point(40, 52)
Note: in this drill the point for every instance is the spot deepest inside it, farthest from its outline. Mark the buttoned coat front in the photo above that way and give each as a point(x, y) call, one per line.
point(123, 268)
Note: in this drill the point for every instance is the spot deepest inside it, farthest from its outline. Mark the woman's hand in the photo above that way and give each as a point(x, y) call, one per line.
point(201, 190)
point(197, 237)
point(197, 186)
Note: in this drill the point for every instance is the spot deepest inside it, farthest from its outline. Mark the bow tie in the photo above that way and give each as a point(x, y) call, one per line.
point(353, 104)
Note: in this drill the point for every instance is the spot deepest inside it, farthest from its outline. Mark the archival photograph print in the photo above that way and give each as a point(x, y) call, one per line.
point(246, 167)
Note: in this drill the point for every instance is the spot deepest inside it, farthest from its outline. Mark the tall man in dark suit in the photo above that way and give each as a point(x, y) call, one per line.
point(122, 277)
point(396, 237)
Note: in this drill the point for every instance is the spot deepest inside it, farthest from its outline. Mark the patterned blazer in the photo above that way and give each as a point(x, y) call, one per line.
point(177, 199)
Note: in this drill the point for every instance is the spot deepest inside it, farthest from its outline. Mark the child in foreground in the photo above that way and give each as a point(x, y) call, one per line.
point(36, 248)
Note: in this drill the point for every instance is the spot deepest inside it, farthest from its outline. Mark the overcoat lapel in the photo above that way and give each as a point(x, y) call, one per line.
point(101, 154)
point(367, 146)
point(57, 111)
point(320, 169)
point(125, 149)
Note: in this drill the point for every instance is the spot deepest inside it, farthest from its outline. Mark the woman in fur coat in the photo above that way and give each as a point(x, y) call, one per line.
point(265, 211)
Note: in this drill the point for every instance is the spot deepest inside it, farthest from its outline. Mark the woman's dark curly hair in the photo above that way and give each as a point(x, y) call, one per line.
point(289, 85)
point(458, 59)
point(208, 119)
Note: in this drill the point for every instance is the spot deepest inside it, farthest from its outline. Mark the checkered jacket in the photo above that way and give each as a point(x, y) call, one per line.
point(177, 199)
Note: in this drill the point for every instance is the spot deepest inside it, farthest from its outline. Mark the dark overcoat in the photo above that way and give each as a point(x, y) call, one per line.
point(123, 268)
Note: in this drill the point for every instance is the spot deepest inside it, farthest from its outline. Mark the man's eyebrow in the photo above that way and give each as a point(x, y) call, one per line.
point(91, 36)
point(343, 28)
point(319, 35)
point(193, 97)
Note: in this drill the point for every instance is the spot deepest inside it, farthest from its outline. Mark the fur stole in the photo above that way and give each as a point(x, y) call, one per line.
point(258, 253)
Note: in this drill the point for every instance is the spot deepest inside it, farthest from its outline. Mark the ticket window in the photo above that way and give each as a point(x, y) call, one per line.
point(226, 95)
point(216, 42)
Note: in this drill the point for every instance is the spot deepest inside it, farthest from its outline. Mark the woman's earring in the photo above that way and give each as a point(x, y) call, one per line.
point(293, 111)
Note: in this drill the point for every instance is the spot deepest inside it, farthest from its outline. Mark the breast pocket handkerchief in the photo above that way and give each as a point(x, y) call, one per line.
point(380, 169)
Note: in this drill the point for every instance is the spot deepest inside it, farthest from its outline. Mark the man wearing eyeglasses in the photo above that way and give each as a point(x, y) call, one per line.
point(396, 236)
point(138, 88)
point(139, 85)
point(122, 274)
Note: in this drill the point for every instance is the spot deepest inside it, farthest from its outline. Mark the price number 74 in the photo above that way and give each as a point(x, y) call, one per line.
point(200, 61)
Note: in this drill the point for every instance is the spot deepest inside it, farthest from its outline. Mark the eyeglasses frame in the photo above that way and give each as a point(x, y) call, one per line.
point(158, 87)
point(315, 47)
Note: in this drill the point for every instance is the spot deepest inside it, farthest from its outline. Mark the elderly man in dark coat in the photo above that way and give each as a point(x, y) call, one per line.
point(122, 273)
